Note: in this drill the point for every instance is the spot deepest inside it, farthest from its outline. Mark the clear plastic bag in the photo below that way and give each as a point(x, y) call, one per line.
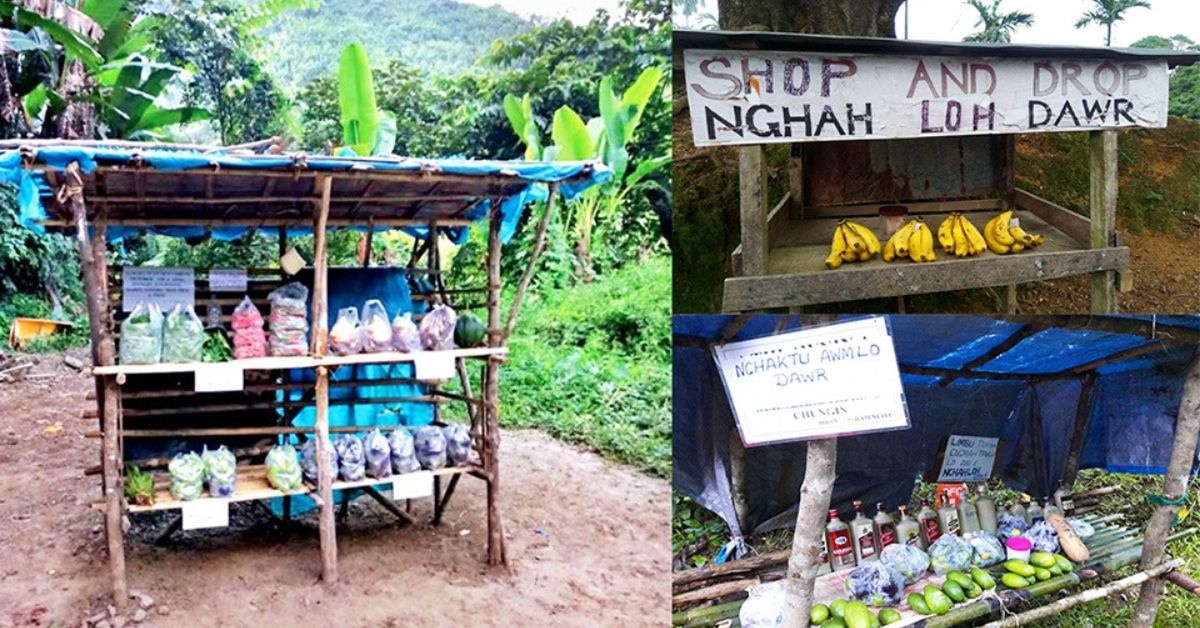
point(377, 331)
point(346, 337)
point(141, 335)
point(875, 584)
point(950, 553)
point(437, 328)
point(378, 454)
point(289, 320)
point(187, 476)
point(430, 444)
point(1044, 537)
point(308, 459)
point(764, 607)
point(988, 548)
point(183, 336)
point(404, 453)
point(249, 339)
point(220, 467)
point(351, 461)
point(283, 468)
point(405, 336)
point(458, 444)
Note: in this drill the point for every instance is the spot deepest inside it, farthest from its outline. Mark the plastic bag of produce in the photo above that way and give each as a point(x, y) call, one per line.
point(405, 336)
point(351, 461)
point(346, 337)
point(950, 553)
point(308, 459)
point(458, 444)
point(988, 548)
point(875, 584)
point(437, 328)
point(187, 476)
point(764, 607)
point(1010, 525)
point(404, 454)
point(283, 468)
point(1082, 528)
point(377, 331)
point(183, 336)
point(221, 471)
point(141, 335)
point(289, 320)
point(908, 561)
point(430, 444)
point(249, 339)
point(1044, 537)
point(378, 454)
point(216, 345)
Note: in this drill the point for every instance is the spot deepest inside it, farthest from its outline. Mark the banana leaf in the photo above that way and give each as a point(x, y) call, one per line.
point(356, 96)
point(571, 136)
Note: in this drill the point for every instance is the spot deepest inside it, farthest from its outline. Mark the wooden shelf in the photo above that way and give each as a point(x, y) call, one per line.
point(297, 362)
point(251, 485)
point(369, 481)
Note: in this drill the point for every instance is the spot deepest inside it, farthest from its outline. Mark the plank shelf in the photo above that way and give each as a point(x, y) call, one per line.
point(275, 363)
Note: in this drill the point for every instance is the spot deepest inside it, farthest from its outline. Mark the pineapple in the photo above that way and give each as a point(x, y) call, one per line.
point(139, 486)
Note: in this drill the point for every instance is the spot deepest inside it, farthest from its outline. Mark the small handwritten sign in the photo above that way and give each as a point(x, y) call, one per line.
point(968, 459)
point(433, 365)
point(227, 279)
point(219, 377)
point(208, 512)
point(165, 287)
point(412, 485)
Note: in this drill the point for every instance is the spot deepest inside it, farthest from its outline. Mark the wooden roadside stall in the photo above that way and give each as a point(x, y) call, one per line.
point(910, 128)
point(100, 192)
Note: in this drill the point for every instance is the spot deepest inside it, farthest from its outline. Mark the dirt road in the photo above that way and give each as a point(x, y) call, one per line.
point(588, 540)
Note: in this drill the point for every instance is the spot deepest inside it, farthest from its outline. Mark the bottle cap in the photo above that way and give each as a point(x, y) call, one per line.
point(833, 513)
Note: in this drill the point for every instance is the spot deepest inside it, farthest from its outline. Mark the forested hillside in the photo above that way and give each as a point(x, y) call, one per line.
point(439, 36)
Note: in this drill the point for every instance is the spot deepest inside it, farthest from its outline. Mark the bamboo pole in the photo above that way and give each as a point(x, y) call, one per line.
point(320, 298)
point(682, 579)
point(497, 554)
point(325, 473)
point(706, 616)
point(1183, 451)
point(714, 592)
point(1183, 581)
point(539, 244)
point(104, 351)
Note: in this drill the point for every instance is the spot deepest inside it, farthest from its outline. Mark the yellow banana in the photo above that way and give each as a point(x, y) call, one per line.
point(1000, 229)
point(1017, 247)
point(866, 234)
point(962, 247)
point(1039, 239)
point(836, 249)
point(889, 249)
point(902, 237)
point(974, 238)
point(945, 233)
point(989, 237)
point(864, 256)
point(853, 240)
point(924, 237)
point(1020, 234)
point(833, 261)
point(848, 254)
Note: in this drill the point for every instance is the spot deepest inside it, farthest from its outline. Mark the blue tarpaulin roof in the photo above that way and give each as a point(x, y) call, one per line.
point(1027, 388)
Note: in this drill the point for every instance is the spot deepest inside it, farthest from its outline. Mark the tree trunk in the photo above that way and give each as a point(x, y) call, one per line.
point(873, 18)
point(1183, 452)
point(819, 475)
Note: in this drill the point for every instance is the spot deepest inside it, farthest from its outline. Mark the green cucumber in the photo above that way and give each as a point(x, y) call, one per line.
point(983, 578)
point(1019, 567)
point(889, 616)
point(833, 623)
point(1014, 581)
point(857, 615)
point(916, 601)
point(818, 614)
point(1065, 565)
point(1041, 574)
point(838, 608)
point(937, 601)
point(1042, 559)
point(974, 591)
point(953, 591)
point(960, 578)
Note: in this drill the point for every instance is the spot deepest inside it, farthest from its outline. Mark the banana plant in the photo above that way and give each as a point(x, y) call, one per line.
point(606, 138)
point(366, 129)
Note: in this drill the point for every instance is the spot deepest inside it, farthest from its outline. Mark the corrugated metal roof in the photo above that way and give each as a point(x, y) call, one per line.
point(743, 40)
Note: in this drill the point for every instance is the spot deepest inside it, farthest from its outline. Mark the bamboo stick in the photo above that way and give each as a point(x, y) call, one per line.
point(1099, 492)
point(694, 578)
point(706, 616)
point(539, 244)
point(497, 553)
point(1183, 581)
point(714, 592)
point(325, 473)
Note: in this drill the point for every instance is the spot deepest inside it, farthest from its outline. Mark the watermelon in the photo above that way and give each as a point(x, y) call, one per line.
point(469, 331)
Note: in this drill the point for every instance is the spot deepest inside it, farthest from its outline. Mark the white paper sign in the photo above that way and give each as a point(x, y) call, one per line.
point(968, 459)
point(412, 485)
point(815, 383)
point(227, 279)
point(219, 377)
point(166, 287)
point(206, 512)
point(756, 97)
point(433, 365)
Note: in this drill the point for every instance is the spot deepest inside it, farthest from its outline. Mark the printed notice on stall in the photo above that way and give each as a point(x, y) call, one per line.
point(968, 459)
point(219, 377)
point(433, 366)
point(756, 97)
point(165, 287)
point(205, 513)
point(227, 280)
point(815, 383)
point(412, 485)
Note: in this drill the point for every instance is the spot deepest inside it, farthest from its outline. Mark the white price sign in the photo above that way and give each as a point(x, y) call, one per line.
point(166, 287)
point(219, 377)
point(814, 383)
point(227, 279)
point(968, 459)
point(433, 365)
point(412, 485)
point(207, 512)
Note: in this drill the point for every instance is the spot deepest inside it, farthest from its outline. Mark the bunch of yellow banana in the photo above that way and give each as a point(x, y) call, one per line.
point(958, 236)
point(852, 242)
point(1003, 237)
point(914, 241)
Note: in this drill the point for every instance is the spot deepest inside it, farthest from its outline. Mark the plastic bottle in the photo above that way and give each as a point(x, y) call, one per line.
point(841, 552)
point(823, 559)
point(948, 516)
point(908, 531)
point(986, 507)
point(931, 530)
point(885, 527)
point(1035, 513)
point(1064, 498)
point(1018, 510)
point(1050, 508)
point(968, 516)
point(862, 530)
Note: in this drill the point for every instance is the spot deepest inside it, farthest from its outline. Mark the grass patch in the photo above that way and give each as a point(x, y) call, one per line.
point(20, 305)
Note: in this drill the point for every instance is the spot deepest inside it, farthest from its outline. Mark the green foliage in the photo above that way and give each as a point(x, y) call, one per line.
point(695, 530)
point(253, 250)
point(20, 305)
point(995, 26)
point(31, 262)
point(356, 99)
point(1108, 12)
point(1185, 80)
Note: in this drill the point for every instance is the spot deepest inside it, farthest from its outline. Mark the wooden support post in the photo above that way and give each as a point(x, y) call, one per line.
point(539, 243)
point(1083, 415)
point(1010, 298)
point(1183, 452)
point(1008, 184)
point(1103, 214)
point(497, 554)
point(320, 298)
point(325, 472)
point(369, 241)
point(796, 182)
point(94, 270)
point(283, 241)
point(752, 180)
point(737, 480)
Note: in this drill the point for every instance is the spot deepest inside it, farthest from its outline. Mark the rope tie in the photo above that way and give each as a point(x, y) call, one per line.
point(1163, 501)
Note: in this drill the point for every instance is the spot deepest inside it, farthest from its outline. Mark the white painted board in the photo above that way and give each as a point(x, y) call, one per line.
point(206, 512)
point(166, 287)
point(227, 280)
point(412, 485)
point(968, 459)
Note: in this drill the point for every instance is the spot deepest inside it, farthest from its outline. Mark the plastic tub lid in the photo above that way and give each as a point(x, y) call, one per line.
point(1019, 544)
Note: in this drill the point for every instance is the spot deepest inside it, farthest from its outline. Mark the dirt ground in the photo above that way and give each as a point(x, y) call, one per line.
point(588, 541)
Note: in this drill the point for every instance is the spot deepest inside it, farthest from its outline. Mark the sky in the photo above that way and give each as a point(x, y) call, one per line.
point(578, 11)
point(1053, 21)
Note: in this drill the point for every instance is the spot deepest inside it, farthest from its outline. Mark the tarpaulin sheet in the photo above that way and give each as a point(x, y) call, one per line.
point(1130, 428)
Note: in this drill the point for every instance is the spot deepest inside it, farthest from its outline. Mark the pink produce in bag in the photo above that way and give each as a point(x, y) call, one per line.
point(437, 328)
